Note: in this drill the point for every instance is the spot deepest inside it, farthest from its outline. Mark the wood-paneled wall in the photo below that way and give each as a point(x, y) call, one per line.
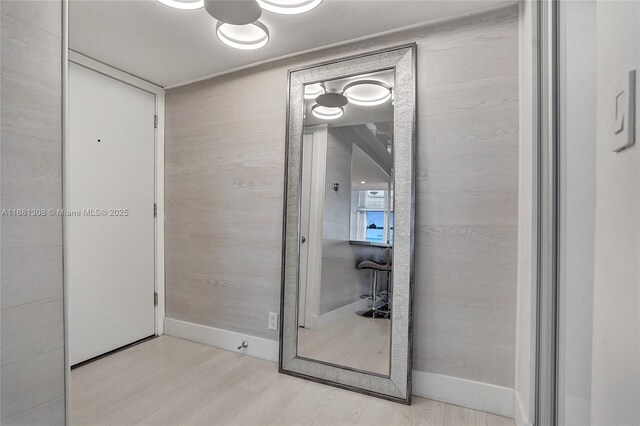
point(225, 140)
point(32, 365)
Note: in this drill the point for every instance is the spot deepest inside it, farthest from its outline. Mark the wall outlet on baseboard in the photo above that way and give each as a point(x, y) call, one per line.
point(273, 320)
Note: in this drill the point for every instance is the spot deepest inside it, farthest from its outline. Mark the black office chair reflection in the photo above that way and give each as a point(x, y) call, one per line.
point(384, 310)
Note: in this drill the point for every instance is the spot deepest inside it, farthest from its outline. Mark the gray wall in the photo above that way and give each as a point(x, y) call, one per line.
point(224, 186)
point(616, 295)
point(342, 283)
point(32, 365)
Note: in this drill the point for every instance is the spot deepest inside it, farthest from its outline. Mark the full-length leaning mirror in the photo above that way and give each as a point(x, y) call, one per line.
point(348, 235)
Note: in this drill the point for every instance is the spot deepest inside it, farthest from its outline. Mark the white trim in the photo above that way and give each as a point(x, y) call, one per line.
point(525, 346)
point(160, 278)
point(318, 182)
point(342, 312)
point(258, 347)
point(113, 72)
point(480, 11)
point(521, 416)
point(466, 393)
point(314, 238)
point(158, 91)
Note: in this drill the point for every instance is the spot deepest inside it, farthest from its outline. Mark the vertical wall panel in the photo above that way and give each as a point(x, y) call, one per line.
point(32, 335)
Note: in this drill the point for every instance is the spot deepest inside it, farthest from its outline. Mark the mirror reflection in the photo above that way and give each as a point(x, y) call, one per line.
point(346, 244)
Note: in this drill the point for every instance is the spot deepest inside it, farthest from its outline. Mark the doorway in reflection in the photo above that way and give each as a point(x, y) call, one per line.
point(346, 249)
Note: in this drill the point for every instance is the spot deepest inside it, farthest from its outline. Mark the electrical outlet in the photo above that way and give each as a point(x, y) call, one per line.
point(273, 320)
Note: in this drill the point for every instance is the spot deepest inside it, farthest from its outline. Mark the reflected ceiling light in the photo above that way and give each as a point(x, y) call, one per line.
point(233, 11)
point(327, 113)
point(289, 7)
point(367, 92)
point(183, 4)
point(362, 182)
point(244, 37)
point(312, 91)
point(332, 100)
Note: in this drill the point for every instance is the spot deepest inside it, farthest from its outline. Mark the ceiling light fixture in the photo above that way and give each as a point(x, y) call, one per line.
point(183, 4)
point(245, 37)
point(238, 25)
point(332, 99)
point(367, 92)
point(312, 91)
point(233, 11)
point(289, 7)
point(327, 113)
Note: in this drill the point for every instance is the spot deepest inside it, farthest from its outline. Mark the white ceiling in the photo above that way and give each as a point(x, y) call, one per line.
point(168, 46)
point(364, 169)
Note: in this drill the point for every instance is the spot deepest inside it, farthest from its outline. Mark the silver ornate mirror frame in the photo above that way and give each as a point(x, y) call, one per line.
point(397, 385)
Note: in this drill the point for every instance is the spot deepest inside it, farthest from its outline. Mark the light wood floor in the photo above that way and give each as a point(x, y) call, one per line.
point(168, 381)
point(354, 341)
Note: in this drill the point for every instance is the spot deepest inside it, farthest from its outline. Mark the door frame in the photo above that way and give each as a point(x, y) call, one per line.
point(547, 136)
point(159, 260)
point(320, 134)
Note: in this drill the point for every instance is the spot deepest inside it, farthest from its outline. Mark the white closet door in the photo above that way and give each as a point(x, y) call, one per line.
point(109, 258)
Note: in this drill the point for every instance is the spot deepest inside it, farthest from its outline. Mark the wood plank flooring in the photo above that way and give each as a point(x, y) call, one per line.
point(169, 381)
point(353, 341)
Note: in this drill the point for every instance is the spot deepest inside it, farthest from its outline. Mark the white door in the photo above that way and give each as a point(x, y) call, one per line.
point(110, 244)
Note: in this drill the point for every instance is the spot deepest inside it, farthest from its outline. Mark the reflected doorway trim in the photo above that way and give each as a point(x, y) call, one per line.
point(313, 272)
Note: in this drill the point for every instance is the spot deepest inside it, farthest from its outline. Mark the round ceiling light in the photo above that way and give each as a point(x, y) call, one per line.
point(233, 11)
point(183, 4)
point(367, 92)
point(244, 37)
point(312, 91)
point(327, 113)
point(289, 7)
point(332, 99)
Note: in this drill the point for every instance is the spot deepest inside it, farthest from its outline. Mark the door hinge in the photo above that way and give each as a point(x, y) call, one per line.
point(155, 297)
point(155, 210)
point(155, 121)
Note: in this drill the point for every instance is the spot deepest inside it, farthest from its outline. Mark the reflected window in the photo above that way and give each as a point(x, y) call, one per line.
point(375, 226)
point(372, 216)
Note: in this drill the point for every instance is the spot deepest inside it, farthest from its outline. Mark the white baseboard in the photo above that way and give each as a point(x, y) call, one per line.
point(521, 415)
point(342, 312)
point(223, 339)
point(466, 393)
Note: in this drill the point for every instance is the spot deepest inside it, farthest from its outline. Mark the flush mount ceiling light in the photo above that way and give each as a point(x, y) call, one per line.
point(332, 100)
point(245, 37)
point(289, 7)
point(238, 25)
point(367, 92)
point(183, 4)
point(327, 113)
point(312, 91)
point(233, 11)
